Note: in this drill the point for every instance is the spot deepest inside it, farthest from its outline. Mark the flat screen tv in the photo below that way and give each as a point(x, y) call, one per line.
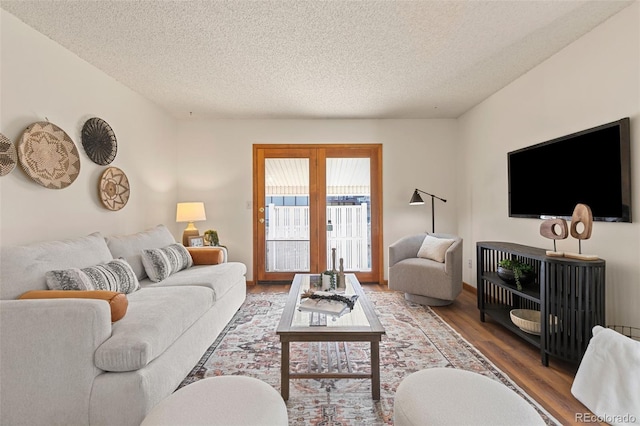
point(592, 167)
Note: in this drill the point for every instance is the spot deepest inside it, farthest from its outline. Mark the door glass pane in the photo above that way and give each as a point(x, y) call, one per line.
point(287, 229)
point(349, 213)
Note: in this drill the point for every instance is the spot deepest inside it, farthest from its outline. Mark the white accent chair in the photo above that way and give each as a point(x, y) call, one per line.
point(424, 280)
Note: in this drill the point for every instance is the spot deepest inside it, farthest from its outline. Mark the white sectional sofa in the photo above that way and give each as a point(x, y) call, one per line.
point(62, 361)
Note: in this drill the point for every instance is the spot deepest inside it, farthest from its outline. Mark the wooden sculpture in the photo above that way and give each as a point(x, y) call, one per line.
point(554, 229)
point(581, 215)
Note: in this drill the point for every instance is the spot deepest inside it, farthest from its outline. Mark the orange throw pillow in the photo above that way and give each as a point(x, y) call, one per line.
point(117, 301)
point(206, 255)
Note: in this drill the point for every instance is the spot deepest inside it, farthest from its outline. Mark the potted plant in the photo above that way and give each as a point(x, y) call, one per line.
point(212, 237)
point(512, 270)
point(329, 280)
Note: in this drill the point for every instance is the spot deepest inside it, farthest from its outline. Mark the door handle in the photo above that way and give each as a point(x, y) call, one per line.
point(261, 220)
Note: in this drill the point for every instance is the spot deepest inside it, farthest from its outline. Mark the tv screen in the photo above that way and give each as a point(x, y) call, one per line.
point(592, 167)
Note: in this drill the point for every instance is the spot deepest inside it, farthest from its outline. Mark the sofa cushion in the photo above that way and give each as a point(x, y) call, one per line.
point(434, 248)
point(159, 263)
point(155, 319)
point(115, 275)
point(23, 268)
point(118, 302)
point(220, 278)
point(129, 247)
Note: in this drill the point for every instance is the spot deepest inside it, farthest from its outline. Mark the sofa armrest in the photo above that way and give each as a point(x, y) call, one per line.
point(118, 302)
point(405, 248)
point(207, 255)
point(47, 365)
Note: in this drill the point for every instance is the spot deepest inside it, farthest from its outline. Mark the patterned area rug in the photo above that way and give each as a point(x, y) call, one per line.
point(416, 338)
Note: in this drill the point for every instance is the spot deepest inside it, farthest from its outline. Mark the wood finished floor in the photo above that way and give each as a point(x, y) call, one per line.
point(550, 386)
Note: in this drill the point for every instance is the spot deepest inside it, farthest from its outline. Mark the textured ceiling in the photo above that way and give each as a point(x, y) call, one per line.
point(314, 59)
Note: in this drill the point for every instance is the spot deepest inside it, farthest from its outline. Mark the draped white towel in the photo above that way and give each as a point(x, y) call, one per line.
point(608, 378)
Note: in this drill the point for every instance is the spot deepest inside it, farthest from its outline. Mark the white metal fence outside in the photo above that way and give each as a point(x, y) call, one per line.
point(288, 230)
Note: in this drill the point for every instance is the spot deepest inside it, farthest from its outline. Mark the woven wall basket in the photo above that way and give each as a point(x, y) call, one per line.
point(48, 155)
point(99, 141)
point(114, 189)
point(8, 155)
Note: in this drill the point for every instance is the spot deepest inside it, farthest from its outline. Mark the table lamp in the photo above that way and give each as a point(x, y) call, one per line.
point(190, 212)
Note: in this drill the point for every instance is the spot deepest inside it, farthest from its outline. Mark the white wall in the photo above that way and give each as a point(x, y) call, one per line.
point(593, 81)
point(42, 80)
point(416, 154)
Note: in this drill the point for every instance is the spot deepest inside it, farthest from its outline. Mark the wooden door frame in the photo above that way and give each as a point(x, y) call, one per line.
point(371, 151)
point(279, 151)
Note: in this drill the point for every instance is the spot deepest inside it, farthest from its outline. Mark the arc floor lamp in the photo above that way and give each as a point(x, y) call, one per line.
point(416, 200)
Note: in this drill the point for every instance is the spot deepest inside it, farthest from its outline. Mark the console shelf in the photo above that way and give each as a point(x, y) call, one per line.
point(569, 290)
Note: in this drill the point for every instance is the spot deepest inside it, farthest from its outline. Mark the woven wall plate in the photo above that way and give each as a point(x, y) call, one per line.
point(48, 155)
point(8, 155)
point(114, 189)
point(99, 141)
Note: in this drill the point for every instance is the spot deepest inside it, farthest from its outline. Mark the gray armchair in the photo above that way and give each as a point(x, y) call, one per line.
point(425, 281)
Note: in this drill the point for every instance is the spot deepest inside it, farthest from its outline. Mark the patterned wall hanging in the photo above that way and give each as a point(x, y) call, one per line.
point(8, 155)
point(114, 189)
point(48, 155)
point(99, 141)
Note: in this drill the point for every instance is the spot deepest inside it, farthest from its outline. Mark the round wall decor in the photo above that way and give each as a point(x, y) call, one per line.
point(99, 141)
point(8, 155)
point(114, 189)
point(48, 155)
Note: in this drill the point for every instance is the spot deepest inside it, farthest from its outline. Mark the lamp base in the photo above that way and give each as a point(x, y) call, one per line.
point(189, 233)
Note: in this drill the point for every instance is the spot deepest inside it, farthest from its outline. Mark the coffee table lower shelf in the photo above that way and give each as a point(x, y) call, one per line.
point(286, 375)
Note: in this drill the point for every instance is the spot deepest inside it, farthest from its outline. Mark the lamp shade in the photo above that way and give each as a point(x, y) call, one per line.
point(416, 199)
point(190, 212)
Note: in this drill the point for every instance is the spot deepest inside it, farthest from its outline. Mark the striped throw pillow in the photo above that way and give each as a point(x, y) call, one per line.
point(162, 262)
point(116, 275)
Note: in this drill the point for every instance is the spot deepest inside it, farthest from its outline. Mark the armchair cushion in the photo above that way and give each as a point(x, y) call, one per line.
point(434, 248)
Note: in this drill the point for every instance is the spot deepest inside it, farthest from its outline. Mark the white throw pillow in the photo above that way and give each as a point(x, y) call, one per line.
point(434, 248)
point(162, 262)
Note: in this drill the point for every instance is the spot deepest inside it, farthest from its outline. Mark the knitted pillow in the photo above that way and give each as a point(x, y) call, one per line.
point(434, 248)
point(115, 275)
point(162, 262)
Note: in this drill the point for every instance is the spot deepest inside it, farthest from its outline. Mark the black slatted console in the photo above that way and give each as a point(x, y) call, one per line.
point(569, 292)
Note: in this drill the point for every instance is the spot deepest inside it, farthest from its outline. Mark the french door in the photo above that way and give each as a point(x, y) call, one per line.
point(314, 203)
